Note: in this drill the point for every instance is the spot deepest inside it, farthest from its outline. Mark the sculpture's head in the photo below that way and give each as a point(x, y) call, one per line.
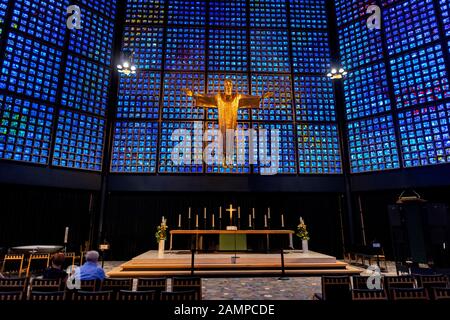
point(228, 84)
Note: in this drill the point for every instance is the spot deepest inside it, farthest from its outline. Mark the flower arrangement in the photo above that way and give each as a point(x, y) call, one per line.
point(302, 232)
point(161, 232)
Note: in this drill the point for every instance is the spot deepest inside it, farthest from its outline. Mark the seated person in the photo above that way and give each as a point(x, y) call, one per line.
point(90, 270)
point(55, 271)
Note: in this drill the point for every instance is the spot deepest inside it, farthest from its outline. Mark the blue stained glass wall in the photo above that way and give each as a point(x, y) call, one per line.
point(270, 45)
point(54, 82)
point(398, 74)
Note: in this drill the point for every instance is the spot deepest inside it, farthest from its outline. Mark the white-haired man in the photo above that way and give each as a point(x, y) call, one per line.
point(90, 270)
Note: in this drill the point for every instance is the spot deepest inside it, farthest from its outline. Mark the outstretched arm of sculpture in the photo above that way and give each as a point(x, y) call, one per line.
point(248, 101)
point(202, 100)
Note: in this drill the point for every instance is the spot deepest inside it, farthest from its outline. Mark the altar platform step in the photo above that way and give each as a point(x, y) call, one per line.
point(221, 265)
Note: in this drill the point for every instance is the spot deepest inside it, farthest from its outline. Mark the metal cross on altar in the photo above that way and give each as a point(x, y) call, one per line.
point(231, 210)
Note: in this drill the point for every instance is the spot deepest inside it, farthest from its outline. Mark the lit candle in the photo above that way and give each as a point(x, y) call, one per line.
point(282, 220)
point(265, 221)
point(66, 235)
point(204, 213)
point(239, 212)
point(179, 221)
point(189, 216)
point(162, 220)
point(250, 220)
point(212, 220)
point(253, 211)
point(196, 220)
point(268, 213)
point(220, 212)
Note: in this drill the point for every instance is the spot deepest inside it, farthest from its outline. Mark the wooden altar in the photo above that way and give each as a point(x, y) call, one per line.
point(199, 235)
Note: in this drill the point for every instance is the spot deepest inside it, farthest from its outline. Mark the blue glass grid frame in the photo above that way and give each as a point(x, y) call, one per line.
point(30, 68)
point(176, 104)
point(227, 50)
point(240, 139)
point(318, 149)
point(42, 19)
point(350, 10)
point(425, 135)
point(25, 130)
point(228, 13)
point(79, 141)
point(269, 51)
point(94, 40)
point(146, 44)
point(445, 13)
point(277, 108)
point(145, 12)
point(420, 77)
point(314, 98)
point(135, 147)
point(308, 14)
point(106, 7)
point(372, 144)
point(268, 14)
point(287, 160)
point(240, 85)
point(409, 25)
point(85, 86)
point(359, 45)
point(366, 92)
point(139, 96)
point(189, 13)
point(185, 49)
point(310, 52)
point(166, 146)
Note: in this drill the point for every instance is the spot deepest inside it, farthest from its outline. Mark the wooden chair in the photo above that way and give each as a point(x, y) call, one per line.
point(135, 296)
point(17, 284)
point(441, 294)
point(45, 285)
point(416, 294)
point(37, 263)
point(47, 296)
point(13, 264)
point(335, 288)
point(116, 285)
point(431, 281)
point(69, 260)
point(90, 285)
point(369, 295)
point(11, 296)
point(398, 282)
point(188, 284)
point(92, 296)
point(179, 296)
point(360, 282)
point(157, 284)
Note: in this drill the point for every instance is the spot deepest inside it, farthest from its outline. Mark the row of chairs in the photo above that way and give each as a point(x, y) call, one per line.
point(19, 264)
point(420, 287)
point(113, 286)
point(101, 296)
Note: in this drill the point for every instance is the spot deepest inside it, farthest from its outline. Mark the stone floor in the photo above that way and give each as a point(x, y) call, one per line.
point(296, 288)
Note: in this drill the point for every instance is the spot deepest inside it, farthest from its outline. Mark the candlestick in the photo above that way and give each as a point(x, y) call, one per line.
point(220, 212)
point(189, 216)
point(213, 220)
point(204, 213)
point(196, 220)
point(265, 221)
point(282, 220)
point(162, 220)
point(66, 235)
point(249, 220)
point(253, 212)
point(179, 221)
point(268, 213)
point(239, 212)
